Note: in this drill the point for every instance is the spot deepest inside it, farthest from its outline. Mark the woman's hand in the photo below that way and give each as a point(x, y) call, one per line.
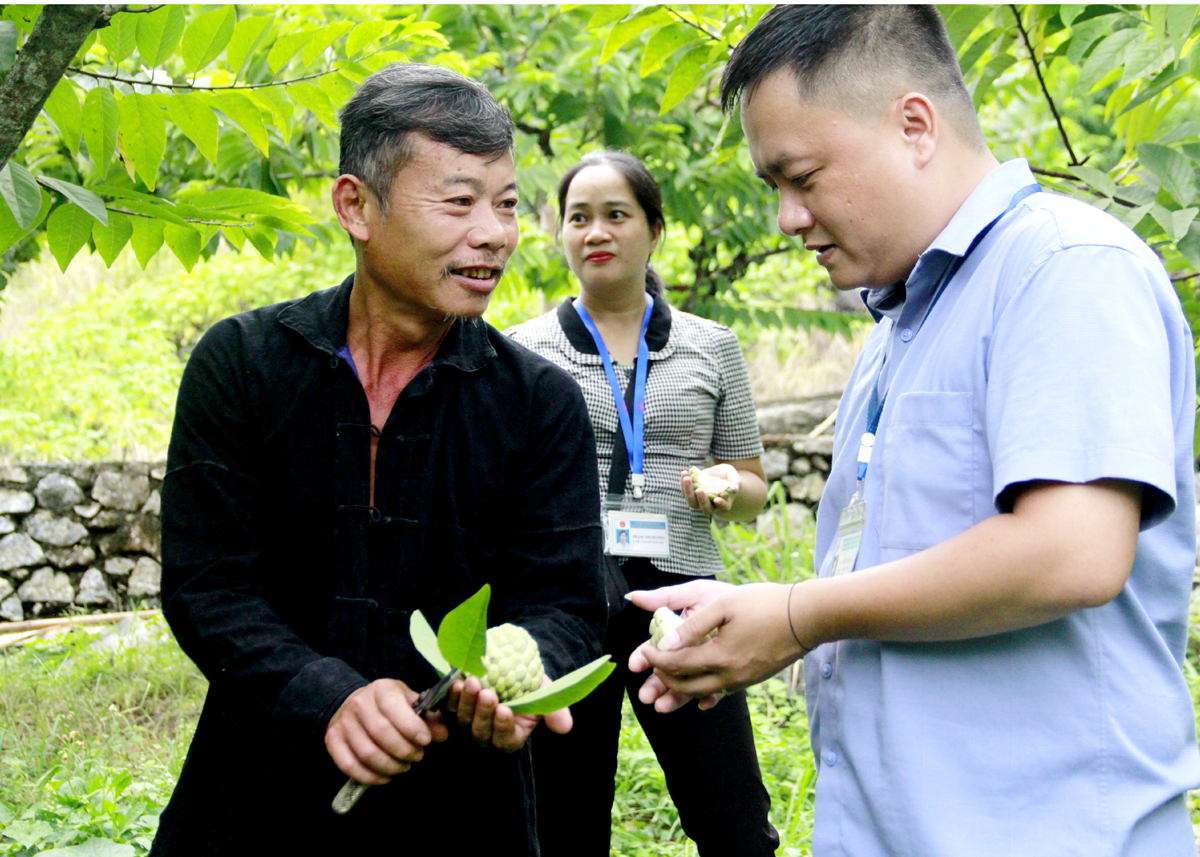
point(698, 499)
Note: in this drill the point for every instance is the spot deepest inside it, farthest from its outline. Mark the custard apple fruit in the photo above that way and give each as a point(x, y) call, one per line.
point(664, 620)
point(713, 486)
point(513, 664)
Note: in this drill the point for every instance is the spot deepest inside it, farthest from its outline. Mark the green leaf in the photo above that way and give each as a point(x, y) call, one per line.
point(143, 134)
point(20, 190)
point(184, 242)
point(11, 232)
point(338, 87)
point(314, 98)
point(1161, 81)
point(207, 36)
point(101, 119)
point(1173, 169)
point(963, 22)
point(195, 118)
point(621, 33)
point(1096, 179)
point(967, 60)
point(111, 239)
point(120, 36)
point(1106, 56)
point(248, 34)
point(605, 15)
point(663, 44)
point(147, 238)
point(158, 34)
point(1189, 245)
point(366, 33)
point(1068, 14)
point(162, 210)
point(263, 240)
point(462, 636)
point(1181, 222)
point(287, 47)
point(426, 642)
point(67, 230)
point(567, 690)
point(81, 196)
point(247, 115)
point(63, 107)
point(274, 101)
point(684, 78)
point(324, 37)
point(8, 44)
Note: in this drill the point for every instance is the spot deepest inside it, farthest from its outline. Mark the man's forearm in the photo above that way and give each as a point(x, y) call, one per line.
point(1063, 548)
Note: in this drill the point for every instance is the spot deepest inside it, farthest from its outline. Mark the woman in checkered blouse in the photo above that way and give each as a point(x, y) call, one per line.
point(698, 411)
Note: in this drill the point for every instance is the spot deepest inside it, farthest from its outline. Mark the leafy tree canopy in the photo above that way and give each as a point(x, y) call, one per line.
point(188, 126)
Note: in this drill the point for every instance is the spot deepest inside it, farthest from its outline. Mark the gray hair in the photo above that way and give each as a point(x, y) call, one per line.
point(406, 98)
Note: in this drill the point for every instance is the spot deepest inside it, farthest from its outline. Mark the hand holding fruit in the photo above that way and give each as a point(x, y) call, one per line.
point(711, 490)
point(375, 735)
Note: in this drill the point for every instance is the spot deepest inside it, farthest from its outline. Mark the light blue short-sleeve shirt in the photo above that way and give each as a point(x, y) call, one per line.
point(1057, 351)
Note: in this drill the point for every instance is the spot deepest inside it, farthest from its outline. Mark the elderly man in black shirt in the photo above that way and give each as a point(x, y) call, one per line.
point(342, 460)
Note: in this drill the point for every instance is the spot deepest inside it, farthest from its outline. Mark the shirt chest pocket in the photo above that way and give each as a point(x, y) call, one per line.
point(928, 465)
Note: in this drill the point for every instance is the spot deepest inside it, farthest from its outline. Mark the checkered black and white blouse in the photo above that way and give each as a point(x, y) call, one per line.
point(698, 406)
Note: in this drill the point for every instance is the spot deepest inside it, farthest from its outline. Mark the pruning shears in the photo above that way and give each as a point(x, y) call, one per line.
point(349, 794)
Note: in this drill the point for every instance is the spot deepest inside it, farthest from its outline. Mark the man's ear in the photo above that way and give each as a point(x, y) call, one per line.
point(921, 125)
point(351, 201)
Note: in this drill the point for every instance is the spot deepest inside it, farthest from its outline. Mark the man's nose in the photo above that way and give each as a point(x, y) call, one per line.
point(489, 231)
point(794, 216)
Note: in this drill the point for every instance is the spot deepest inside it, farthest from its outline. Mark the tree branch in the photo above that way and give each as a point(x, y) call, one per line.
point(234, 86)
point(679, 17)
point(56, 37)
point(1075, 162)
point(542, 134)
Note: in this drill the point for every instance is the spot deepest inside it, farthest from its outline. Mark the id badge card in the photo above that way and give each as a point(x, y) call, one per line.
point(635, 527)
point(849, 534)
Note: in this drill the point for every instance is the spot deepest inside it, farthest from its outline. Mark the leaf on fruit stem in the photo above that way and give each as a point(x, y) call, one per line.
point(67, 230)
point(426, 642)
point(566, 691)
point(111, 239)
point(462, 634)
point(20, 191)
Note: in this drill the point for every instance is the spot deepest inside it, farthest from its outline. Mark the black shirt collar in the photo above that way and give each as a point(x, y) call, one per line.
point(323, 317)
point(657, 332)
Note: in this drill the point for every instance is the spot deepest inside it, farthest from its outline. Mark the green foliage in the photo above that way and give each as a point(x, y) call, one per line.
point(462, 634)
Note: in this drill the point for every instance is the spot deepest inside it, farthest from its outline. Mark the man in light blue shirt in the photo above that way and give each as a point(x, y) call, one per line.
point(994, 645)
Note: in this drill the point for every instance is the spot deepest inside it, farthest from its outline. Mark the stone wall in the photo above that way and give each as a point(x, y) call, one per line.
point(86, 537)
point(79, 538)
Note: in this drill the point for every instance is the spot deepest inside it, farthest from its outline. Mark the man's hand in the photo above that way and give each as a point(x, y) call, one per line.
point(753, 643)
point(375, 735)
point(481, 716)
point(698, 499)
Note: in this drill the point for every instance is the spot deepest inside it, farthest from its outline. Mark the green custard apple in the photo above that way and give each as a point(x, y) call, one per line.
point(513, 663)
point(665, 619)
point(713, 486)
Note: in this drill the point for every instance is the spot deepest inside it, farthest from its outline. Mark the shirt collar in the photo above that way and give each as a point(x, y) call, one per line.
point(985, 204)
point(657, 332)
point(323, 317)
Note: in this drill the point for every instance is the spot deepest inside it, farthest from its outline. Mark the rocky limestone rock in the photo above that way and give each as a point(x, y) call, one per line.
point(87, 511)
point(139, 534)
point(108, 519)
point(158, 472)
point(146, 578)
point(153, 506)
point(58, 492)
point(808, 489)
point(14, 474)
point(15, 502)
point(47, 586)
point(6, 525)
point(6, 589)
point(119, 566)
point(71, 557)
point(18, 551)
point(801, 466)
point(774, 464)
point(48, 528)
point(11, 609)
point(94, 589)
point(121, 491)
point(770, 522)
point(798, 417)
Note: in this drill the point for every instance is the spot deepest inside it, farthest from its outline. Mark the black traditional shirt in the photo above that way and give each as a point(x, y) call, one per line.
point(290, 590)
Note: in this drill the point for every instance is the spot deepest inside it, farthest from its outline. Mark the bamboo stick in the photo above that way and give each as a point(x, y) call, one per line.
point(67, 621)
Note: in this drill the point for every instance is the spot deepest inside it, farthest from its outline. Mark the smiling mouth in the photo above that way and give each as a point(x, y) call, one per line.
point(481, 274)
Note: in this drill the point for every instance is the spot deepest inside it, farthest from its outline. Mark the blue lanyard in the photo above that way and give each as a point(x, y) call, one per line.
point(876, 403)
point(633, 429)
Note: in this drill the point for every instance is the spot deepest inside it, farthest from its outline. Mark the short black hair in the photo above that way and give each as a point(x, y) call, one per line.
point(645, 192)
point(844, 56)
point(403, 99)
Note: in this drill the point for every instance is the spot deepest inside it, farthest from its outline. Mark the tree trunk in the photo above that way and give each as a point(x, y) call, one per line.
point(57, 36)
